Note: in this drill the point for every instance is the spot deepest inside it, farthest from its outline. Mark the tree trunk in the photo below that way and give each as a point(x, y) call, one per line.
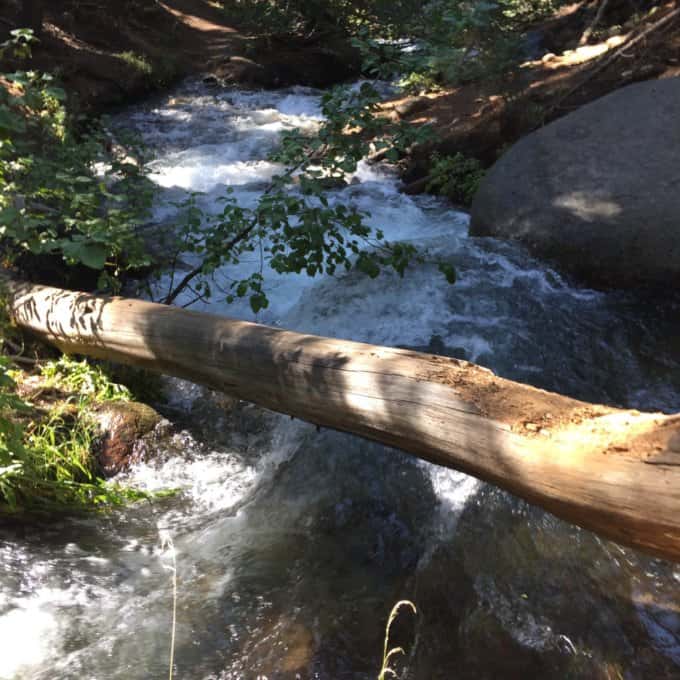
point(31, 15)
point(612, 471)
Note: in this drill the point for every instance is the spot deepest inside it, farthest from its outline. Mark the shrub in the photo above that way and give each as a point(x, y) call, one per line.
point(64, 193)
point(457, 177)
point(137, 61)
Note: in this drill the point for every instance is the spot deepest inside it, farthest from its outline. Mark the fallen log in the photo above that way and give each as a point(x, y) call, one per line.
point(615, 472)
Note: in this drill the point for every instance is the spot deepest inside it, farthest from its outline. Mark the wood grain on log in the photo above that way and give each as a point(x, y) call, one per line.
point(612, 471)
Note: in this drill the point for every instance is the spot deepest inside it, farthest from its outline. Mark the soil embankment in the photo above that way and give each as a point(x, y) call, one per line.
point(482, 119)
point(109, 53)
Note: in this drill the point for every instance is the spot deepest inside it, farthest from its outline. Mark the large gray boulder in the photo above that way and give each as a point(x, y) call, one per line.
point(597, 191)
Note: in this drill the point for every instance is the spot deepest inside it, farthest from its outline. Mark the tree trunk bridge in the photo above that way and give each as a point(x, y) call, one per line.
point(615, 472)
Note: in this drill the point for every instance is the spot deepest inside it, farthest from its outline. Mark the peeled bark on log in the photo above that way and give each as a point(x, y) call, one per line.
point(615, 472)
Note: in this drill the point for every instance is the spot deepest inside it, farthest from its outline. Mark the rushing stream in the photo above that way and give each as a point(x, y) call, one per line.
point(292, 544)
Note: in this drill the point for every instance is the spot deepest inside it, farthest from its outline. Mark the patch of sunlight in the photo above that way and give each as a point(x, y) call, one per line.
point(578, 56)
point(587, 207)
point(26, 636)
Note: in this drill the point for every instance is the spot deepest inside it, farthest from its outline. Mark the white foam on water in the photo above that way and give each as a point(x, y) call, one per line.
point(28, 636)
point(213, 481)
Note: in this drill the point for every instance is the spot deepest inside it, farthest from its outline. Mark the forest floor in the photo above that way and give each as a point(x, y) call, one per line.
point(481, 119)
point(109, 53)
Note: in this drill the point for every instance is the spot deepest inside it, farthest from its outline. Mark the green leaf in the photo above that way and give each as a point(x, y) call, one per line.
point(8, 216)
point(25, 33)
point(57, 92)
point(392, 155)
point(10, 121)
point(449, 271)
point(258, 301)
point(92, 255)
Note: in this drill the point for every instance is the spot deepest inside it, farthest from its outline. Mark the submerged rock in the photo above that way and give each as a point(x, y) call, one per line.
point(211, 80)
point(123, 425)
point(597, 190)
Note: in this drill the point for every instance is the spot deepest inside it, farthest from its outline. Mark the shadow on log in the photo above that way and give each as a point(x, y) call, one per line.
point(615, 472)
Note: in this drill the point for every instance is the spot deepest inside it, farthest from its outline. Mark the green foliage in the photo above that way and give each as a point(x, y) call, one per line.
point(160, 73)
point(294, 227)
point(416, 83)
point(264, 16)
point(302, 17)
point(457, 177)
point(87, 380)
point(137, 61)
point(45, 458)
point(62, 193)
point(453, 41)
point(18, 44)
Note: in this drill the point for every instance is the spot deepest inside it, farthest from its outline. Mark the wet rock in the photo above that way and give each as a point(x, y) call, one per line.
point(492, 652)
point(595, 191)
point(549, 599)
point(123, 426)
point(211, 80)
point(326, 183)
point(243, 71)
point(298, 646)
point(416, 187)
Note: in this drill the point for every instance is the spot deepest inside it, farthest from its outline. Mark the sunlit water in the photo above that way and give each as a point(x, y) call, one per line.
point(293, 544)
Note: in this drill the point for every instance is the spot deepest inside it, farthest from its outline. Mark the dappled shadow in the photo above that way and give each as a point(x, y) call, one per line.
point(400, 398)
point(108, 52)
point(584, 463)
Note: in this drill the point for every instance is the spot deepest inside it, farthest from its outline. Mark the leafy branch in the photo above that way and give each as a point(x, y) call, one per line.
point(295, 227)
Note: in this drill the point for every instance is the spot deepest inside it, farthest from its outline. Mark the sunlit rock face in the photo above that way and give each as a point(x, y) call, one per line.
point(596, 190)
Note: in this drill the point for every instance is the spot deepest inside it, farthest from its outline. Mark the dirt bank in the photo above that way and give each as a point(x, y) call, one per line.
point(482, 119)
point(109, 53)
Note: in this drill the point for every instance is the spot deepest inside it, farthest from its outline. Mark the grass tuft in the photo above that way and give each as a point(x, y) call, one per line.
point(385, 670)
point(138, 62)
point(45, 451)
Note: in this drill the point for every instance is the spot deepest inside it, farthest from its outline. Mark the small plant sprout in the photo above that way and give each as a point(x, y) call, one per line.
point(168, 550)
point(385, 670)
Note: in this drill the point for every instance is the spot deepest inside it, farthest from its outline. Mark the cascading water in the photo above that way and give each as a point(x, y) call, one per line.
point(292, 544)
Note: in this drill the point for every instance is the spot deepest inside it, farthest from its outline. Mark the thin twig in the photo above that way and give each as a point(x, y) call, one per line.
point(22, 360)
point(589, 30)
point(173, 294)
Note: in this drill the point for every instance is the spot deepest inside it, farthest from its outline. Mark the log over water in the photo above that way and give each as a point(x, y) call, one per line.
point(615, 472)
